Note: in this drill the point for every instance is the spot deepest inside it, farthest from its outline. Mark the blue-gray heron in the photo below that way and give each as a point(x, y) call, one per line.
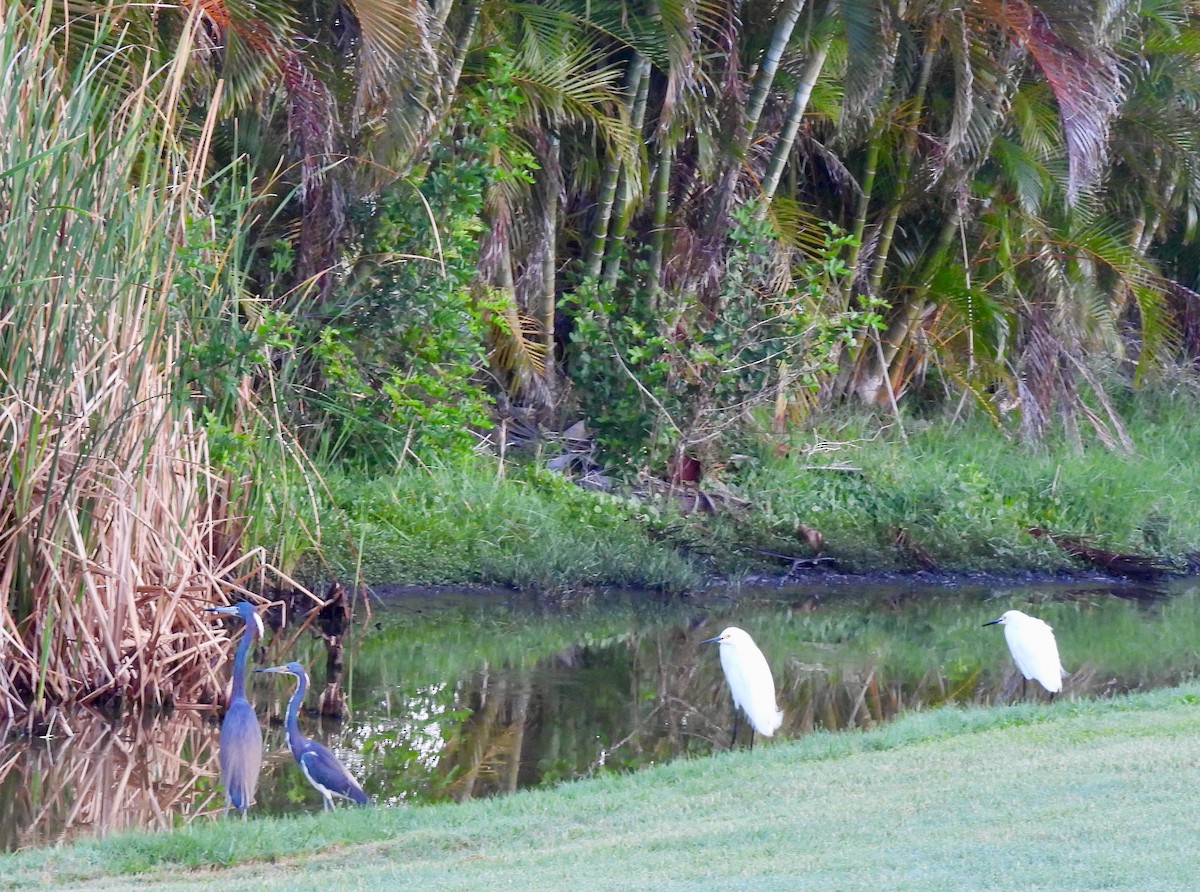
point(320, 766)
point(241, 737)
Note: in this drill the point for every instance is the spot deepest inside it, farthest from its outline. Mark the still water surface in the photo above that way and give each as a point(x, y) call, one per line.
point(457, 697)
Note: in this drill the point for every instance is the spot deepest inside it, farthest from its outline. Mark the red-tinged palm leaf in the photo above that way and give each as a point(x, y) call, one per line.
point(1084, 76)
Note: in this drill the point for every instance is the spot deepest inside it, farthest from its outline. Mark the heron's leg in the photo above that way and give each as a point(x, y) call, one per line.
point(751, 737)
point(1024, 681)
point(733, 737)
point(1053, 694)
point(328, 803)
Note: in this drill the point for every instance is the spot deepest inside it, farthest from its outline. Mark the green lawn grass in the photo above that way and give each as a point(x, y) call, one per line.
point(1093, 794)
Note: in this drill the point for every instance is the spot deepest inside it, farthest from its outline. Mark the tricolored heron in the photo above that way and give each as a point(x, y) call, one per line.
point(750, 682)
point(241, 738)
point(319, 765)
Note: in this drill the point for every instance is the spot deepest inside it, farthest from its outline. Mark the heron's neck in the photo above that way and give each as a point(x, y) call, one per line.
point(239, 663)
point(295, 739)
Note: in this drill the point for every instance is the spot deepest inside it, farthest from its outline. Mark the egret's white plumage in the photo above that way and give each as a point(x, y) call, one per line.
point(750, 680)
point(1034, 650)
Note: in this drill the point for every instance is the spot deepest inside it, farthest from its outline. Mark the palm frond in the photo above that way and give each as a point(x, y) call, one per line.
point(1084, 75)
point(870, 41)
point(797, 226)
point(1028, 179)
point(578, 85)
point(516, 346)
point(395, 48)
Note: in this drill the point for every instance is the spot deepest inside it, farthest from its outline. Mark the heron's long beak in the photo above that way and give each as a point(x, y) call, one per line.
point(280, 669)
point(709, 640)
point(224, 611)
point(992, 623)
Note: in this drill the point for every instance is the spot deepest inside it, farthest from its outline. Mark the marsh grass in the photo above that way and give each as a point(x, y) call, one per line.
point(967, 495)
point(1077, 795)
point(114, 526)
point(468, 524)
point(960, 495)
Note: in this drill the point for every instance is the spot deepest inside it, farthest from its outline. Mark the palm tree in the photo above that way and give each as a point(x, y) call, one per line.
point(981, 54)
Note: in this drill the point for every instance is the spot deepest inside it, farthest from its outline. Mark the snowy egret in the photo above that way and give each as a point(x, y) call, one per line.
point(750, 682)
point(319, 765)
point(1031, 642)
point(241, 738)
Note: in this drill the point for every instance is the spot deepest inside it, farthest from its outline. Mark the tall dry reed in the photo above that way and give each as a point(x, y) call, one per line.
point(113, 526)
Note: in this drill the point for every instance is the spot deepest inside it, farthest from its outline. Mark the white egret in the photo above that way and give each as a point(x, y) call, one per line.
point(750, 682)
point(1031, 642)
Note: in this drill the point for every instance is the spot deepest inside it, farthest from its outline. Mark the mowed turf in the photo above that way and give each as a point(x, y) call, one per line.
point(1064, 796)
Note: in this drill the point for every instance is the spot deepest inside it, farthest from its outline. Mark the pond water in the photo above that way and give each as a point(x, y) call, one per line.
point(456, 697)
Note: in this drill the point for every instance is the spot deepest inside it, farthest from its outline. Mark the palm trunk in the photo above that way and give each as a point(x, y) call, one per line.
point(903, 171)
point(787, 137)
point(914, 307)
point(870, 165)
point(744, 134)
point(462, 45)
point(770, 64)
point(658, 231)
point(608, 184)
point(624, 201)
point(876, 362)
point(911, 310)
point(546, 305)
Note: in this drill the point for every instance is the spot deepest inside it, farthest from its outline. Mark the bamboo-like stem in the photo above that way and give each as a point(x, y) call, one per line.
point(904, 168)
point(791, 126)
point(765, 77)
point(609, 180)
point(662, 206)
point(870, 166)
point(624, 200)
point(547, 296)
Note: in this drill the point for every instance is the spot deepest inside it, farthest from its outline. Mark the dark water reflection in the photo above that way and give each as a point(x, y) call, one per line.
point(472, 697)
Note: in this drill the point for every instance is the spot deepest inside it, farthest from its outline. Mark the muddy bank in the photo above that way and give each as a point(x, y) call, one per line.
point(809, 578)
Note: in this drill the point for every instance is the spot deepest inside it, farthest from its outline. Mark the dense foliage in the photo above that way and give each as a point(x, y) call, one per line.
point(661, 219)
point(649, 242)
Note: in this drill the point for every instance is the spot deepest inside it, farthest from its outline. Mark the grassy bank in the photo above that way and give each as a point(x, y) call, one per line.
point(962, 496)
point(1076, 795)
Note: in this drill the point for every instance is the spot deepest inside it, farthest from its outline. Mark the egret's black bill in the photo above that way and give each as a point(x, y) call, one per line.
point(992, 623)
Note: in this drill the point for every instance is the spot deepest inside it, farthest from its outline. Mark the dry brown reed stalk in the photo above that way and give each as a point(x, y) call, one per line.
point(113, 521)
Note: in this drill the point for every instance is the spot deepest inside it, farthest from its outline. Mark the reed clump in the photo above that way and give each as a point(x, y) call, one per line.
point(113, 523)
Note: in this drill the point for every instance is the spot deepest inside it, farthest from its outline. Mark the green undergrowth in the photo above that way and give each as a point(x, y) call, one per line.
point(526, 529)
point(966, 496)
point(1072, 795)
point(955, 496)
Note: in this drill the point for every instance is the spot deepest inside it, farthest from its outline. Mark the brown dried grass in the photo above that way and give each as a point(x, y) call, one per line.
point(114, 526)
